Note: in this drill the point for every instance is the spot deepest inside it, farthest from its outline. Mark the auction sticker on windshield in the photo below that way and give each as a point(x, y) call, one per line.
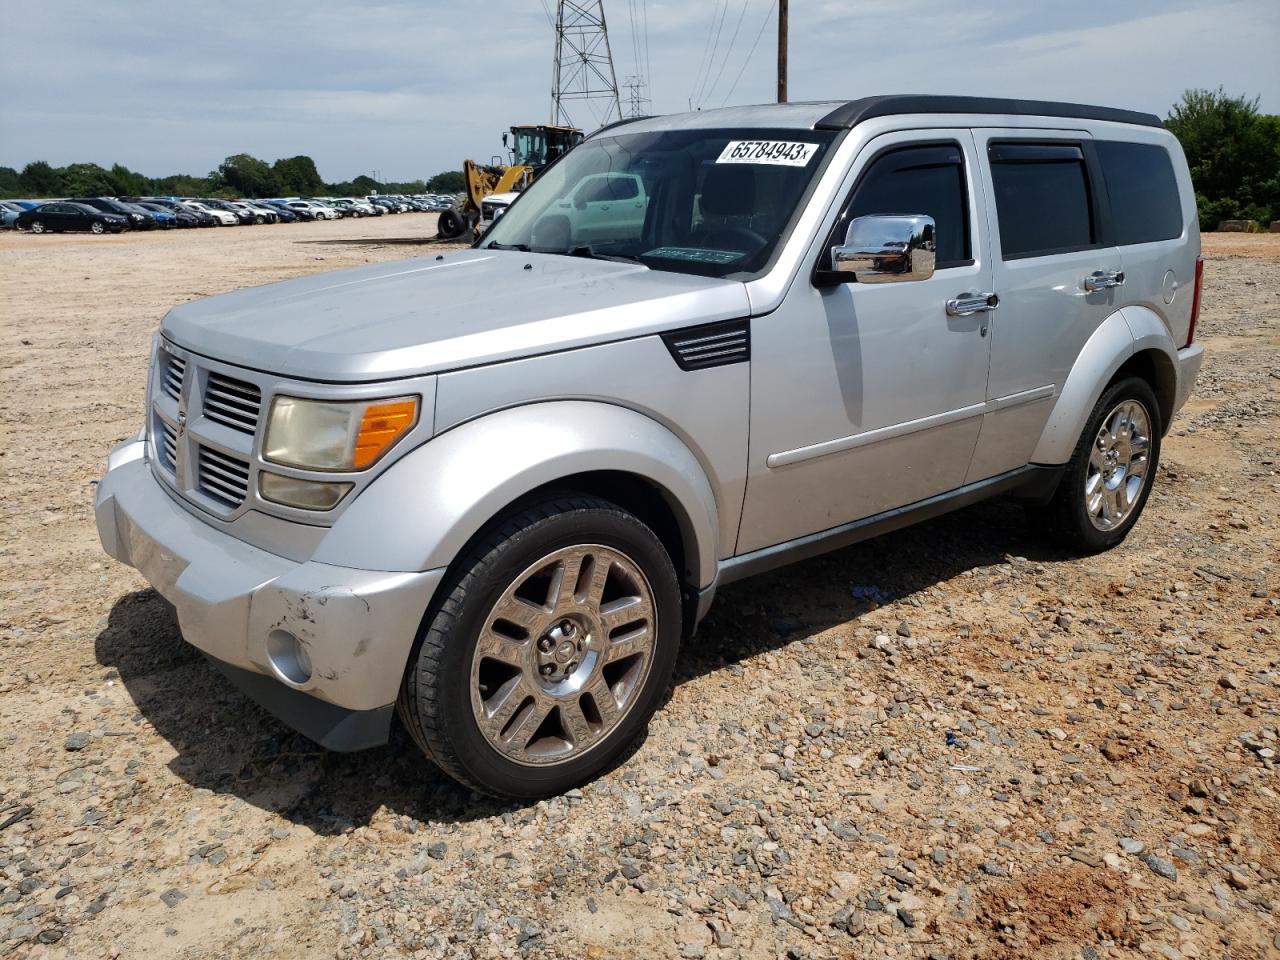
point(786, 153)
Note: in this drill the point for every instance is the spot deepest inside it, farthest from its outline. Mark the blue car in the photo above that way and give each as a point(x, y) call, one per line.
point(9, 212)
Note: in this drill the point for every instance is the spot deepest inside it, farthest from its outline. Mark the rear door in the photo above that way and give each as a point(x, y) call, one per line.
point(1053, 273)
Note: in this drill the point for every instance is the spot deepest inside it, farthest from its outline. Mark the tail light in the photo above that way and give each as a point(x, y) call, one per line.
point(1195, 301)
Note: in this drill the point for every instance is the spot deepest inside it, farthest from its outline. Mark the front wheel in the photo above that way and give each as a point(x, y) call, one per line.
point(37, 226)
point(551, 647)
point(1111, 471)
point(96, 227)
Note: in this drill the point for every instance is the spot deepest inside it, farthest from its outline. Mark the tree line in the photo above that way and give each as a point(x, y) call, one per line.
point(240, 175)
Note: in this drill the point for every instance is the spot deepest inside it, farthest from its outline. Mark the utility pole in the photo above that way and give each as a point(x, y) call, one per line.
point(782, 51)
point(583, 68)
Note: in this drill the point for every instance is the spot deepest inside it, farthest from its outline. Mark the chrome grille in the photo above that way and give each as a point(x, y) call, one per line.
point(173, 370)
point(167, 448)
point(222, 477)
point(232, 402)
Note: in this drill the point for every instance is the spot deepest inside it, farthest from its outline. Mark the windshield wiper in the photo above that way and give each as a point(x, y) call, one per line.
point(586, 251)
point(522, 247)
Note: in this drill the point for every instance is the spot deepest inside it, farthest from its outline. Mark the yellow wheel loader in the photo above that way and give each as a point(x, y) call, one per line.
point(532, 147)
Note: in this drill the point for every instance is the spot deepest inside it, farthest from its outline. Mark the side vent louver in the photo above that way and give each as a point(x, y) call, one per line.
point(713, 345)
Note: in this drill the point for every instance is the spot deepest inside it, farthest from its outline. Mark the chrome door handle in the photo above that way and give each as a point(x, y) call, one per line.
point(1104, 280)
point(967, 304)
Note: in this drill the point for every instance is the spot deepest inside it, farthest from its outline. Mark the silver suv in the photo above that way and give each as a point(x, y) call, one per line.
point(492, 489)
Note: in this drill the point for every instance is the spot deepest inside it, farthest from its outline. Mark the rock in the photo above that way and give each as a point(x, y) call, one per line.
point(76, 741)
point(1113, 751)
point(994, 869)
point(1131, 846)
point(1229, 681)
point(436, 851)
point(849, 919)
point(904, 629)
point(1160, 866)
point(907, 918)
point(172, 897)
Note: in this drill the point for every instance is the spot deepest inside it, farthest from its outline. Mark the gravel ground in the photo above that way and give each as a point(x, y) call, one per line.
point(954, 741)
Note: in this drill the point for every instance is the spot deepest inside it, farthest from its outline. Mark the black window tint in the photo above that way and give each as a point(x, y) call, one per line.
point(1043, 202)
point(921, 180)
point(1143, 191)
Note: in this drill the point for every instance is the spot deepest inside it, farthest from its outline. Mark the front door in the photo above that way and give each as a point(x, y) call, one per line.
point(866, 397)
point(1052, 273)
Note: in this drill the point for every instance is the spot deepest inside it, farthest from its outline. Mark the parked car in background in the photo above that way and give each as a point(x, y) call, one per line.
point(225, 218)
point(136, 219)
point(284, 213)
point(257, 214)
point(303, 213)
point(164, 219)
point(243, 217)
point(9, 212)
point(66, 216)
point(318, 211)
point(181, 217)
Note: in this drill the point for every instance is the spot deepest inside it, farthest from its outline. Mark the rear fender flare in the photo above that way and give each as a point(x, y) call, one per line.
point(1124, 333)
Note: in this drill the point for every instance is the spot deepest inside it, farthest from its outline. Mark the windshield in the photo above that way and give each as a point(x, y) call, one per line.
point(711, 202)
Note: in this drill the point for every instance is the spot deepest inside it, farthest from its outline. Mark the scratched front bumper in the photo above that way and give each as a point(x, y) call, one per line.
point(358, 625)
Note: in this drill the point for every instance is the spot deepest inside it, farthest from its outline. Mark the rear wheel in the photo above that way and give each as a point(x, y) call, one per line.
point(1111, 471)
point(553, 645)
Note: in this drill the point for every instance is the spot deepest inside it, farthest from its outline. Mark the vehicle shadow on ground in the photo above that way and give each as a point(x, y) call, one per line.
point(228, 745)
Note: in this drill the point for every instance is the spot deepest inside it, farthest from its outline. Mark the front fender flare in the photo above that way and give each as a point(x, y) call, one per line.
point(1124, 333)
point(423, 510)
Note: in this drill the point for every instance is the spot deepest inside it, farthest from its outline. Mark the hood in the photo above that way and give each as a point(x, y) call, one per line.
point(432, 314)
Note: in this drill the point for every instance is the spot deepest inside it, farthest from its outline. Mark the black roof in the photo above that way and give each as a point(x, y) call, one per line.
point(856, 111)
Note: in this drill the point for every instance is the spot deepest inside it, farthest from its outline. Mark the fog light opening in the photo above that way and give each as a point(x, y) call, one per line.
point(288, 656)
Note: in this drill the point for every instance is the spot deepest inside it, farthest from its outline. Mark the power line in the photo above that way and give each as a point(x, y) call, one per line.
point(728, 50)
point(751, 52)
point(648, 64)
point(714, 47)
point(706, 45)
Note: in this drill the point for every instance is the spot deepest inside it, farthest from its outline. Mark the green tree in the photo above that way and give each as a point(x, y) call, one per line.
point(87, 180)
point(298, 175)
point(1234, 155)
point(10, 182)
point(41, 180)
point(450, 181)
point(248, 176)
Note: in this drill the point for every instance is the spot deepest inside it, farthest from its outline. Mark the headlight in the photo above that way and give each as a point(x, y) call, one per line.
point(324, 435)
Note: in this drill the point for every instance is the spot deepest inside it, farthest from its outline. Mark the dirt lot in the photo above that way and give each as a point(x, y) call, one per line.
point(954, 741)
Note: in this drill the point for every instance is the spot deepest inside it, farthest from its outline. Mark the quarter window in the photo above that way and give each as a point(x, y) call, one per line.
point(1143, 191)
point(1043, 201)
point(925, 180)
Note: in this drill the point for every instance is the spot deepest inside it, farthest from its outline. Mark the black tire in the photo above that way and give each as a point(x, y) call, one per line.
point(97, 227)
point(1065, 516)
point(436, 709)
point(37, 226)
point(452, 224)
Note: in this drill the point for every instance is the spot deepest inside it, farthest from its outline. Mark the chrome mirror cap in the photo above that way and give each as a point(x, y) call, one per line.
point(886, 249)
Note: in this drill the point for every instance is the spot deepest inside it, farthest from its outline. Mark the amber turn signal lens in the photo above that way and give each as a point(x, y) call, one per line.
point(381, 426)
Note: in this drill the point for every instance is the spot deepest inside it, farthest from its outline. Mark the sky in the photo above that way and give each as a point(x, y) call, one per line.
point(409, 88)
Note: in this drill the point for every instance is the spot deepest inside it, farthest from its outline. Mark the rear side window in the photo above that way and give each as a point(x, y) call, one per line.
point(1143, 191)
point(925, 180)
point(1043, 201)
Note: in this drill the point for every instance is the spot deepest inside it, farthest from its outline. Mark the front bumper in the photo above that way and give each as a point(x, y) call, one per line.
point(357, 626)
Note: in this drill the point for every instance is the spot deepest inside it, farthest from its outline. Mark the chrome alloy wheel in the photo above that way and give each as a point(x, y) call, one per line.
point(1118, 465)
point(563, 655)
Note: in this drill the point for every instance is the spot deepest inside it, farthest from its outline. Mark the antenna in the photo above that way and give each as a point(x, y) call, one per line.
point(584, 63)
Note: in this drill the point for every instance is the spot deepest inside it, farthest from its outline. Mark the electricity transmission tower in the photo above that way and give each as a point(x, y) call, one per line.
point(584, 63)
point(636, 100)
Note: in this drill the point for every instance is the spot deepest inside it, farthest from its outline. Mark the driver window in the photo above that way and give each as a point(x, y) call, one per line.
point(924, 179)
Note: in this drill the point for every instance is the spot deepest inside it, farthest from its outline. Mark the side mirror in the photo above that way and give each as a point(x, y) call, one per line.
point(885, 249)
